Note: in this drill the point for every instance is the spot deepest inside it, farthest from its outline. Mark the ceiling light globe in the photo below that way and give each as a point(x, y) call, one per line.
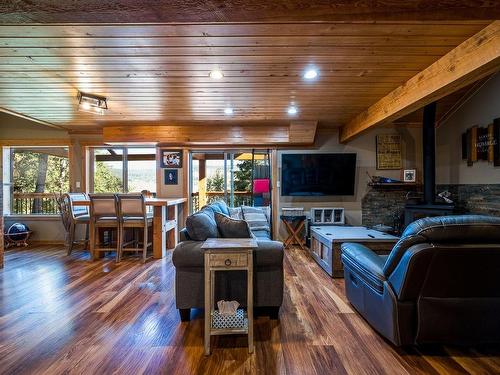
point(292, 110)
point(310, 74)
point(216, 74)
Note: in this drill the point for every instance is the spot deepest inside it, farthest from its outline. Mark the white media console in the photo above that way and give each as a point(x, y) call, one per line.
point(327, 215)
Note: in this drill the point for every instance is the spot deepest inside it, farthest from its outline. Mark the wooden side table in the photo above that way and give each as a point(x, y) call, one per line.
point(294, 236)
point(228, 254)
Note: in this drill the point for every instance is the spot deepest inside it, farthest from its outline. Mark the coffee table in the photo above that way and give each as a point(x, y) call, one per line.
point(326, 241)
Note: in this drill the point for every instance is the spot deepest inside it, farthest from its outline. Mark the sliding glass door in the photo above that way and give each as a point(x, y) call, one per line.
point(228, 176)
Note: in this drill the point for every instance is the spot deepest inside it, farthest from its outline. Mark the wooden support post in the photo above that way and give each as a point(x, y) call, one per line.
point(275, 196)
point(202, 183)
point(75, 166)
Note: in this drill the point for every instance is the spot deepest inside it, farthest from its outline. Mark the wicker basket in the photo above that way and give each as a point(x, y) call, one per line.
point(236, 320)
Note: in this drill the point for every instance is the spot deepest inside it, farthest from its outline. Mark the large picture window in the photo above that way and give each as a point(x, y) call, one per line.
point(38, 175)
point(122, 169)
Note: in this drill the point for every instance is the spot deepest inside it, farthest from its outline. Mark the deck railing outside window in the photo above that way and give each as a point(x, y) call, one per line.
point(241, 198)
point(34, 204)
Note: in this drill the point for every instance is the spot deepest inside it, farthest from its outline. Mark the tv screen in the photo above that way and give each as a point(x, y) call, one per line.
point(317, 174)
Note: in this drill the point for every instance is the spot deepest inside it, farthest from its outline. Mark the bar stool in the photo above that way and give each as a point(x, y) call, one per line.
point(72, 215)
point(103, 215)
point(132, 214)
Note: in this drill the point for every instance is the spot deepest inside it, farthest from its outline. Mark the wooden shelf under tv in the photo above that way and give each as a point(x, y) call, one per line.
point(383, 185)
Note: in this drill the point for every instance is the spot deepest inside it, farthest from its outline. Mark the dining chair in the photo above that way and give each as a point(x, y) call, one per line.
point(103, 215)
point(73, 215)
point(133, 214)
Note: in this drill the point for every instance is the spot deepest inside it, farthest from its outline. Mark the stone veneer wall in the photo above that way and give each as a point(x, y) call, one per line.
point(476, 199)
point(379, 206)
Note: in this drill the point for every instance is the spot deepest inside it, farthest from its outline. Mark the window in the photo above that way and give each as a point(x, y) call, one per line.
point(108, 170)
point(122, 169)
point(37, 176)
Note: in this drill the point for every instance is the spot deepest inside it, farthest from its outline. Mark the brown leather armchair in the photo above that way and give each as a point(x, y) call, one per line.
point(439, 284)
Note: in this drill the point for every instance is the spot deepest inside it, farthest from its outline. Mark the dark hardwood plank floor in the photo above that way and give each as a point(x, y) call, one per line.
point(69, 315)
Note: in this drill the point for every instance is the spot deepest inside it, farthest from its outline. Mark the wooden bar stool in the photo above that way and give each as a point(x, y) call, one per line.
point(103, 215)
point(72, 215)
point(132, 214)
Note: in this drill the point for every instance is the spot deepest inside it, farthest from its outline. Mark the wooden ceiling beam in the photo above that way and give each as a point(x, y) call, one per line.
point(474, 59)
point(295, 133)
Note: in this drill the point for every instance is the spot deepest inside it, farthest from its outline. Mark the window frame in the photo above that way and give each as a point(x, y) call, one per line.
point(8, 180)
point(125, 153)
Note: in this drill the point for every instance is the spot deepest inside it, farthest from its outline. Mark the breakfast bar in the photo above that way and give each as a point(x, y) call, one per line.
point(166, 216)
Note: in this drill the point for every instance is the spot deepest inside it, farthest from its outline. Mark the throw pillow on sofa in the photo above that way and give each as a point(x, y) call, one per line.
point(232, 228)
point(201, 225)
point(218, 206)
point(256, 218)
point(236, 213)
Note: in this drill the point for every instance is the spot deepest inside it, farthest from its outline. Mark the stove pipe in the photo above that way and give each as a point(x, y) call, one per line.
point(429, 152)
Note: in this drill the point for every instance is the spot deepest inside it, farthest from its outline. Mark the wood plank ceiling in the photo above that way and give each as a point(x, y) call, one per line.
point(159, 73)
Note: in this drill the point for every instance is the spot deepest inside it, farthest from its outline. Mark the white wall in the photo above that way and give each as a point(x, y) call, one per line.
point(13, 127)
point(480, 110)
point(364, 147)
point(47, 229)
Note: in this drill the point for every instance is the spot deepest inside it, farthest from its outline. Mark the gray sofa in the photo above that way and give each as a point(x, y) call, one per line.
point(439, 284)
point(189, 266)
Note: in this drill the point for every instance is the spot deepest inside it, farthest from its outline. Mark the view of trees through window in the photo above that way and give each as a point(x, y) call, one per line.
point(37, 175)
point(235, 188)
point(118, 169)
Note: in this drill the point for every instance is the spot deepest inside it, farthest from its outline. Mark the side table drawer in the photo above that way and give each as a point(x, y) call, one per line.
point(228, 260)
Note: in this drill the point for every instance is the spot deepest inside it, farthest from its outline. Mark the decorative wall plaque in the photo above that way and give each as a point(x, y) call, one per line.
point(389, 151)
point(482, 143)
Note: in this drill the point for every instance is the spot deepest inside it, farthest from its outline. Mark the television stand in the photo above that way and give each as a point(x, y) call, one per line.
point(327, 239)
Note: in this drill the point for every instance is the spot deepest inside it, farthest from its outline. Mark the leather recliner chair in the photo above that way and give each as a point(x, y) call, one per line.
point(439, 284)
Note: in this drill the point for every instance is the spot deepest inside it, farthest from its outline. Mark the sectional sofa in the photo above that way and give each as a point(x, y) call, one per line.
point(188, 259)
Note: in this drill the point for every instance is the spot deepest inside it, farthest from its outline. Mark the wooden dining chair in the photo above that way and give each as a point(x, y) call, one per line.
point(72, 216)
point(132, 214)
point(103, 216)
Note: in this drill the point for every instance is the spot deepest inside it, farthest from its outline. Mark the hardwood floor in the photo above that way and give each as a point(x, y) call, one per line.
point(69, 315)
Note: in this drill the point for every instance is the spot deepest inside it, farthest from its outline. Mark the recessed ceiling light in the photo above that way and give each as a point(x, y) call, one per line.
point(292, 110)
point(228, 111)
point(216, 74)
point(310, 73)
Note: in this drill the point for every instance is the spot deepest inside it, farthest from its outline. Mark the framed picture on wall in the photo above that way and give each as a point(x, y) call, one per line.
point(170, 176)
point(388, 150)
point(170, 159)
point(409, 175)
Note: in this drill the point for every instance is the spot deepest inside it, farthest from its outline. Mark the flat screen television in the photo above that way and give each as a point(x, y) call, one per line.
point(318, 174)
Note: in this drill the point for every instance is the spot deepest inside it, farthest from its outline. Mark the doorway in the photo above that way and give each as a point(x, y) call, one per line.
point(238, 177)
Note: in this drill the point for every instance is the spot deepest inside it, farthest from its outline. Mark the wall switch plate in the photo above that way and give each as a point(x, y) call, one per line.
point(77, 184)
point(278, 184)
